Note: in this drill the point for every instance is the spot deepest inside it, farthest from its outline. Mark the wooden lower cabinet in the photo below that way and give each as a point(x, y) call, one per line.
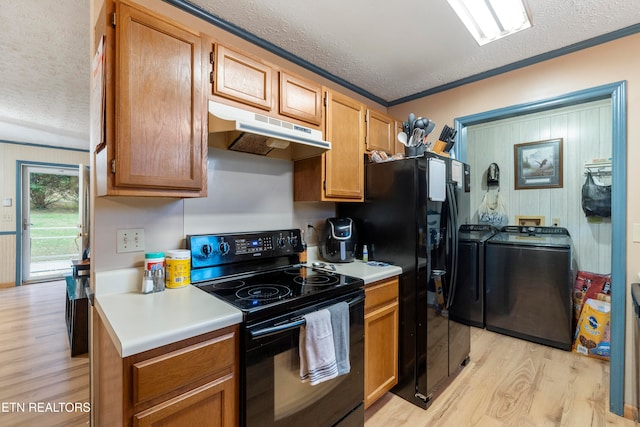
point(381, 314)
point(193, 382)
point(206, 406)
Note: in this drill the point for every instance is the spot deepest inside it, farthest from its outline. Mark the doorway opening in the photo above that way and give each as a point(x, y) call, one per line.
point(616, 92)
point(53, 215)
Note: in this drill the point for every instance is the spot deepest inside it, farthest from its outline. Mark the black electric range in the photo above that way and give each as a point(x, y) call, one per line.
point(260, 272)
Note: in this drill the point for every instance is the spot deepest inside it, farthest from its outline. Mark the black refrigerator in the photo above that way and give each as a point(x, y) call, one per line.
point(410, 218)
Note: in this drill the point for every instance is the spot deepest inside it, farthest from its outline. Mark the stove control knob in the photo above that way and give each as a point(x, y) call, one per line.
point(281, 242)
point(293, 241)
point(206, 250)
point(223, 247)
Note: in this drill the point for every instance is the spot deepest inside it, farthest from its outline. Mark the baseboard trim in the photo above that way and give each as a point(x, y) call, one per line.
point(7, 285)
point(630, 412)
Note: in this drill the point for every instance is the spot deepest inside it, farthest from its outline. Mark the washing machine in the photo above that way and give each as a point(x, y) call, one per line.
point(530, 272)
point(468, 305)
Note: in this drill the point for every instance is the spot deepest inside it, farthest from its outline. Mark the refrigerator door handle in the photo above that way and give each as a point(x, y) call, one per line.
point(453, 227)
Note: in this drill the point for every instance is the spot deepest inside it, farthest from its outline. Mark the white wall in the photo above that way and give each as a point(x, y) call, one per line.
point(586, 133)
point(246, 193)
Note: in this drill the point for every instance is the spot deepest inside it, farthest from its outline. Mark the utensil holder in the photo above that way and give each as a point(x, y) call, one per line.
point(410, 151)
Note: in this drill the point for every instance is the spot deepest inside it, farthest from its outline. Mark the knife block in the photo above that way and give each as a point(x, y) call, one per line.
point(438, 148)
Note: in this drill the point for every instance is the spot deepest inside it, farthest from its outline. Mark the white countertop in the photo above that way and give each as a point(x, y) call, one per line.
point(139, 322)
point(357, 268)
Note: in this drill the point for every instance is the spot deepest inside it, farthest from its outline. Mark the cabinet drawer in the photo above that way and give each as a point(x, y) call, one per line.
point(209, 405)
point(380, 293)
point(183, 369)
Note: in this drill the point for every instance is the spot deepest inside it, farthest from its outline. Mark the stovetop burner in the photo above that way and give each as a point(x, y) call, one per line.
point(259, 293)
point(316, 280)
point(260, 272)
point(263, 292)
point(231, 284)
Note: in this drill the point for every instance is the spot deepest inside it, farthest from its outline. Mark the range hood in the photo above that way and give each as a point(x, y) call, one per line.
point(256, 133)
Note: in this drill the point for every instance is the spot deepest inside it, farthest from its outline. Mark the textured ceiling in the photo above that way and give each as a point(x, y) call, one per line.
point(387, 52)
point(415, 45)
point(44, 72)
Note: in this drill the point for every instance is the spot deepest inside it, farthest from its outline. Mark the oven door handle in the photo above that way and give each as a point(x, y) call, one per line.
point(296, 323)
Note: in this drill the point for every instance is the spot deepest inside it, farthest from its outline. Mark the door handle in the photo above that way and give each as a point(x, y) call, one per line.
point(295, 323)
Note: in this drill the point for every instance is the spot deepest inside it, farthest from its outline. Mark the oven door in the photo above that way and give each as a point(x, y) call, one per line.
point(274, 395)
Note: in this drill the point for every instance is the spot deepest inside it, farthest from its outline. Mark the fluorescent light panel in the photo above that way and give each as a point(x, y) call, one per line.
point(490, 20)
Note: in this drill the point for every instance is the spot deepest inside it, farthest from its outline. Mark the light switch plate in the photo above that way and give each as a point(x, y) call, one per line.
point(636, 233)
point(130, 240)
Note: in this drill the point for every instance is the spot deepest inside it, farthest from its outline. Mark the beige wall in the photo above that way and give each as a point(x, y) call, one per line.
point(607, 63)
point(9, 154)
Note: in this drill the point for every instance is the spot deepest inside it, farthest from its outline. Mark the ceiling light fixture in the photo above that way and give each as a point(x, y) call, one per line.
point(490, 20)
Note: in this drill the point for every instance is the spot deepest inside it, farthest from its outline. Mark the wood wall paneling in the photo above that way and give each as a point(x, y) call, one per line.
point(586, 132)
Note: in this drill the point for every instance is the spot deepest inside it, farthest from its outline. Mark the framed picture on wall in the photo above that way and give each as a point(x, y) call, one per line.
point(538, 164)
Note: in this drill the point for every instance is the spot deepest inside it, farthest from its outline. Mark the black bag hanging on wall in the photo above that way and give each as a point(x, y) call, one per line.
point(596, 199)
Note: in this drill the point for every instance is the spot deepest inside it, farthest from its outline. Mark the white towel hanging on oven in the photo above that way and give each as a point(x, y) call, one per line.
point(317, 351)
point(340, 327)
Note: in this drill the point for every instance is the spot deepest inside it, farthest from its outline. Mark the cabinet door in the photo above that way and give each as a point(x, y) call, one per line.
point(159, 103)
point(300, 99)
point(212, 405)
point(241, 78)
point(380, 132)
point(381, 339)
point(344, 163)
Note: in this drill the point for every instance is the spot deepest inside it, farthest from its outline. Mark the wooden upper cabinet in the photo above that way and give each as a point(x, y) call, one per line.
point(242, 79)
point(300, 99)
point(338, 175)
point(380, 132)
point(344, 163)
point(160, 118)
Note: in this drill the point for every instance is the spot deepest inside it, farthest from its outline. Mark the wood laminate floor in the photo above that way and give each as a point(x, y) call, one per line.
point(511, 382)
point(40, 383)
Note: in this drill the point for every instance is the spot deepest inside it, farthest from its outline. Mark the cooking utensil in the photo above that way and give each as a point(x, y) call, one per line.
point(430, 126)
point(323, 265)
point(416, 137)
point(402, 137)
point(422, 122)
point(412, 120)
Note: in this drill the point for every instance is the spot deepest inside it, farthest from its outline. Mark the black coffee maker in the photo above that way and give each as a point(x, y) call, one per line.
point(339, 240)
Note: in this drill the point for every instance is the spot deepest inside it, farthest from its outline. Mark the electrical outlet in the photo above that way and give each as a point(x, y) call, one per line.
point(130, 240)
